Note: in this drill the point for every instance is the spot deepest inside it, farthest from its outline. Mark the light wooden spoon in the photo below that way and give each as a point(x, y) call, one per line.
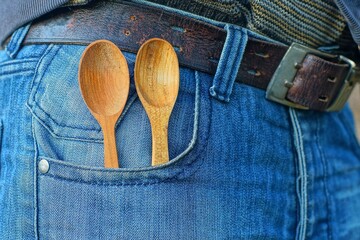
point(104, 83)
point(157, 84)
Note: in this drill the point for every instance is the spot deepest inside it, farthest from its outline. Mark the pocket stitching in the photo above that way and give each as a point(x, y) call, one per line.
point(35, 84)
point(32, 104)
point(158, 174)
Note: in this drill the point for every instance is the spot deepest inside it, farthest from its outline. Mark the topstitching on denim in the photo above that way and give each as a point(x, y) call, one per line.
point(173, 179)
point(36, 109)
point(301, 182)
point(174, 169)
point(324, 178)
point(12, 66)
point(229, 63)
point(49, 54)
point(18, 36)
point(36, 154)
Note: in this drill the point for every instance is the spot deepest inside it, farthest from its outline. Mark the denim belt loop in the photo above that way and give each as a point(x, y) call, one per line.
point(16, 40)
point(229, 62)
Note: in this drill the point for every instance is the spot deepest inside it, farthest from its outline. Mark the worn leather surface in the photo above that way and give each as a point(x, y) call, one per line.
point(198, 45)
point(317, 82)
point(260, 61)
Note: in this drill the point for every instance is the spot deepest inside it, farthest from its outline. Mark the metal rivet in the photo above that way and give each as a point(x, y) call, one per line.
point(298, 65)
point(288, 84)
point(126, 32)
point(43, 166)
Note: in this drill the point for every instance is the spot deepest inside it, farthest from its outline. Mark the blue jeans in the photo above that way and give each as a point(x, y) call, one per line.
point(241, 167)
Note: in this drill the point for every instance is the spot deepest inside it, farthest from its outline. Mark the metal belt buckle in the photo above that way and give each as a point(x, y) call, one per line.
point(352, 77)
point(286, 72)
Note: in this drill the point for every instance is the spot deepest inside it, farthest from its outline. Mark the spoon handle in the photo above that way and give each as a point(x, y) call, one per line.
point(110, 151)
point(159, 131)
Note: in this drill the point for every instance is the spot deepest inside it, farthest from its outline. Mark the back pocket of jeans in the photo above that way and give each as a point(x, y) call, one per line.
point(65, 130)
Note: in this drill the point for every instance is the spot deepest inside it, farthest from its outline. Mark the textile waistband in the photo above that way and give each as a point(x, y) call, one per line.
point(295, 76)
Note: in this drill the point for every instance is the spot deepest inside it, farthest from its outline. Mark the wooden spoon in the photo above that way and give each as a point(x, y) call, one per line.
point(104, 83)
point(157, 84)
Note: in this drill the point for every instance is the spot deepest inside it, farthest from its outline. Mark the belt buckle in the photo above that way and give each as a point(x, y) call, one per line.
point(352, 77)
point(286, 72)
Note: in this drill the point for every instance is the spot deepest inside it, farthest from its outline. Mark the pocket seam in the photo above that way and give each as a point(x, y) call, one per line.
point(114, 183)
point(35, 85)
point(17, 63)
point(34, 107)
point(57, 129)
point(178, 168)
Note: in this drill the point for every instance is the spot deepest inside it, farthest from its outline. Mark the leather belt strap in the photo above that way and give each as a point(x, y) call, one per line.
point(198, 44)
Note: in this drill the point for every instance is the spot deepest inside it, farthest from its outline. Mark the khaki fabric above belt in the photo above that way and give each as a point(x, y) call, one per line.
point(295, 76)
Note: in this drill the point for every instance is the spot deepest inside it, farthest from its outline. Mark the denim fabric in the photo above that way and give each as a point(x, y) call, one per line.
point(241, 167)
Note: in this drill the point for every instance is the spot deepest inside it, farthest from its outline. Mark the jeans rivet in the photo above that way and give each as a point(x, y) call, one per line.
point(43, 166)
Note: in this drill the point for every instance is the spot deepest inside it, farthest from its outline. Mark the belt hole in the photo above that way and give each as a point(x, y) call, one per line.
point(254, 72)
point(126, 32)
point(213, 60)
point(178, 49)
point(179, 29)
point(288, 84)
point(332, 79)
point(263, 55)
point(323, 99)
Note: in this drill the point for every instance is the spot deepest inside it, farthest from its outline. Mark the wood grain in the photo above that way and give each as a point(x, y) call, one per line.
point(157, 84)
point(104, 83)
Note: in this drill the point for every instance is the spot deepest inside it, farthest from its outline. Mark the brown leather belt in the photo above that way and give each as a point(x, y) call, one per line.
point(295, 76)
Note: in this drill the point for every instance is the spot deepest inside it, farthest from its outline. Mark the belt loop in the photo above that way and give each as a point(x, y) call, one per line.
point(229, 62)
point(16, 40)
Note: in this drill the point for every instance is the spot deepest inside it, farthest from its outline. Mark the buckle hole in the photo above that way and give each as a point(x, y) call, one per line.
point(332, 79)
point(254, 72)
point(323, 99)
point(178, 49)
point(263, 55)
point(213, 60)
point(179, 29)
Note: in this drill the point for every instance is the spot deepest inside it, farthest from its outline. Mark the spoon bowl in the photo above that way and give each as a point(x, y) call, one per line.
point(158, 73)
point(157, 84)
point(104, 84)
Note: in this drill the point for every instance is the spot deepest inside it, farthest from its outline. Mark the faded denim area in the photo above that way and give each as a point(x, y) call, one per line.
point(241, 167)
